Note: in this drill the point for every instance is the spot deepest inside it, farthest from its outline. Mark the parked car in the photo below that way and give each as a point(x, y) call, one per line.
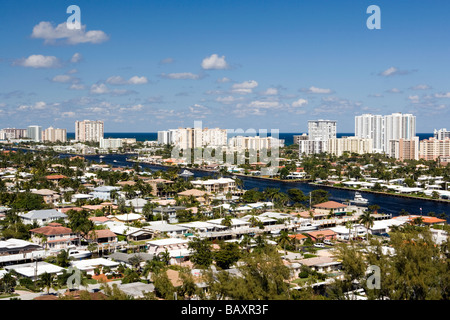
point(319, 245)
point(328, 242)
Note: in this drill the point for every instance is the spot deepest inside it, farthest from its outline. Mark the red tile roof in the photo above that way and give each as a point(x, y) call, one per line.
point(52, 230)
point(330, 205)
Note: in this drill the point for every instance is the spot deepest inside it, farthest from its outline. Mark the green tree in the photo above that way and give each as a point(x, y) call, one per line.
point(227, 255)
point(202, 255)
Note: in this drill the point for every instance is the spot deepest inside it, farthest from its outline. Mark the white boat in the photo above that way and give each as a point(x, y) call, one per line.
point(186, 173)
point(359, 200)
point(114, 160)
point(306, 226)
point(79, 254)
point(101, 157)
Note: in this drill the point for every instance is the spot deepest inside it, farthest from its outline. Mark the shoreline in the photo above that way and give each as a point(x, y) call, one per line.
point(307, 181)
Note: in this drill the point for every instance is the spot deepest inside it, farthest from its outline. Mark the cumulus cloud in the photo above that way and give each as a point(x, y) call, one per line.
point(271, 91)
point(62, 78)
point(99, 88)
point(214, 62)
point(421, 87)
point(317, 90)
point(45, 30)
point(442, 95)
point(223, 80)
point(394, 90)
point(167, 61)
point(181, 75)
point(244, 87)
point(299, 103)
point(137, 80)
point(77, 57)
point(393, 71)
point(38, 61)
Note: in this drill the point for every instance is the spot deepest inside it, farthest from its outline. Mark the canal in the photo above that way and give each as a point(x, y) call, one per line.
point(388, 204)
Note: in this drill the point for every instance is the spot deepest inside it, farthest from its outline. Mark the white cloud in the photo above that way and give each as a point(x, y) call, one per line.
point(62, 78)
point(76, 86)
point(421, 87)
point(99, 88)
point(442, 95)
point(228, 99)
point(38, 61)
point(244, 87)
point(181, 75)
point(299, 103)
point(393, 71)
point(137, 80)
point(40, 105)
point(45, 30)
point(271, 91)
point(414, 99)
point(214, 62)
point(76, 58)
point(116, 80)
point(223, 80)
point(313, 89)
point(394, 90)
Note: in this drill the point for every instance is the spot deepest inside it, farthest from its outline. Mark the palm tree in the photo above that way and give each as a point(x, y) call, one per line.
point(367, 220)
point(284, 240)
point(226, 221)
point(46, 281)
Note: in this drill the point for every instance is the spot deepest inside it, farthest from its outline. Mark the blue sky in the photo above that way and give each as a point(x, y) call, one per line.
point(143, 66)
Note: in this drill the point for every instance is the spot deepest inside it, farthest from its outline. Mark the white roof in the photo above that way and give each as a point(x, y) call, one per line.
point(30, 270)
point(92, 263)
point(128, 217)
point(167, 242)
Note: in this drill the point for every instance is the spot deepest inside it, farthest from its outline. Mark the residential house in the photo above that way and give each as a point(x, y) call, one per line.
point(320, 235)
point(331, 207)
point(55, 236)
point(42, 216)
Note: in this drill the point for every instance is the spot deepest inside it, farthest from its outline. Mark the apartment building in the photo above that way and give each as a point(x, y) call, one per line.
point(338, 146)
point(432, 148)
point(88, 130)
point(54, 134)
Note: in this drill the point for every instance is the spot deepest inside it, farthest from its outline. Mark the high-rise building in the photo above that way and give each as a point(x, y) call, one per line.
point(34, 133)
point(338, 146)
point(432, 149)
point(404, 149)
point(111, 143)
point(399, 126)
point(321, 129)
point(191, 138)
point(319, 132)
point(441, 134)
point(13, 133)
point(256, 143)
point(382, 129)
point(53, 135)
point(89, 130)
point(298, 138)
point(369, 126)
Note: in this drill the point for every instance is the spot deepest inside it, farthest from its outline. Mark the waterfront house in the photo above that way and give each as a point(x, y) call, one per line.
point(320, 235)
point(55, 236)
point(48, 195)
point(331, 207)
point(42, 217)
point(102, 237)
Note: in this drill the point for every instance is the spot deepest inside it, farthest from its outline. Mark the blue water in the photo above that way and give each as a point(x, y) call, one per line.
point(388, 204)
point(153, 136)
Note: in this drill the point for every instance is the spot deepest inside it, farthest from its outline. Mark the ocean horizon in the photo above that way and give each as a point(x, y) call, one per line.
point(153, 136)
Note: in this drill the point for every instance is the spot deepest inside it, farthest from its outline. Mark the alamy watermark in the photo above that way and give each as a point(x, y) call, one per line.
point(374, 280)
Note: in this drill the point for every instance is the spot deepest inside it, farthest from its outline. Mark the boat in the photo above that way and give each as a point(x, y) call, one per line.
point(114, 160)
point(306, 226)
point(186, 173)
point(101, 157)
point(78, 254)
point(359, 200)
